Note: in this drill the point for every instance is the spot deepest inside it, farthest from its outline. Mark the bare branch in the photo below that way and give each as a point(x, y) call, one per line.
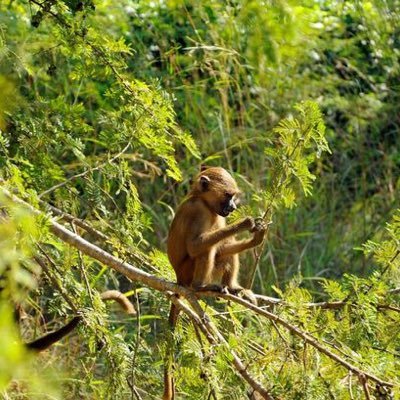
point(139, 258)
point(76, 221)
point(394, 291)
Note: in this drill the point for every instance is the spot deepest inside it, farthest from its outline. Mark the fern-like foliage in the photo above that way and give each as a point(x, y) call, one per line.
point(299, 141)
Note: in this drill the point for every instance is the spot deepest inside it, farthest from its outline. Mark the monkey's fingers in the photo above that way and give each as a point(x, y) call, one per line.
point(247, 224)
point(248, 295)
point(259, 225)
point(235, 290)
point(207, 288)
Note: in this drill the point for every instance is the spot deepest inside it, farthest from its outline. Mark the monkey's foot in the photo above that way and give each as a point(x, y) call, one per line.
point(235, 290)
point(247, 294)
point(207, 288)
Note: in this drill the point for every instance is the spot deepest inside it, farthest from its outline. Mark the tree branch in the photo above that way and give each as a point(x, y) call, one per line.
point(214, 336)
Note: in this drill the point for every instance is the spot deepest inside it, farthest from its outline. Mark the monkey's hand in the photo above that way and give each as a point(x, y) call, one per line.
point(259, 229)
point(246, 224)
point(259, 225)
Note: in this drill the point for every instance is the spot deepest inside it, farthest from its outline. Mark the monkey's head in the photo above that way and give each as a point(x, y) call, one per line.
point(218, 190)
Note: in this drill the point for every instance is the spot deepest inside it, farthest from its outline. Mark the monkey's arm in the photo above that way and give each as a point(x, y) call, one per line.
point(198, 244)
point(234, 247)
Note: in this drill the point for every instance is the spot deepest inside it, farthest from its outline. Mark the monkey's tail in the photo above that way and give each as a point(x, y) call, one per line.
point(173, 316)
point(46, 341)
point(169, 381)
point(121, 299)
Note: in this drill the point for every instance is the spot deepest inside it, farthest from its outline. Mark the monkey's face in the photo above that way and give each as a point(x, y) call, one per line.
point(227, 205)
point(218, 189)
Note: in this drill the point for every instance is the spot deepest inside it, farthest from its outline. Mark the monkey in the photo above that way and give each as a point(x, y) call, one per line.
point(49, 339)
point(202, 248)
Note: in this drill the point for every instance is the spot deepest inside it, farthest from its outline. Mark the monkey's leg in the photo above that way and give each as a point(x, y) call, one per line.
point(204, 269)
point(231, 272)
point(230, 279)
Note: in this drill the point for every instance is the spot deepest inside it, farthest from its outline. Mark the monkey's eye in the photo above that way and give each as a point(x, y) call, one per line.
point(229, 195)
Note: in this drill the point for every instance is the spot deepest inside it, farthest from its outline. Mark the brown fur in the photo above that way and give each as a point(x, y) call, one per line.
point(121, 299)
point(201, 248)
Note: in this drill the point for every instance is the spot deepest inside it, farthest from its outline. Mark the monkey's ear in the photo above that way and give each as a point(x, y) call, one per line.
point(204, 181)
point(203, 167)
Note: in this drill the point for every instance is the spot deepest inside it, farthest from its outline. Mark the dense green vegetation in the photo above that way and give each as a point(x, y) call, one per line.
point(107, 109)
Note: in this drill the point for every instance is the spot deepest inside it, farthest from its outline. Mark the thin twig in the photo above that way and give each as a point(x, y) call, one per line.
point(55, 283)
point(137, 257)
point(83, 273)
point(137, 342)
point(364, 383)
point(78, 222)
point(89, 170)
point(388, 307)
point(350, 385)
point(394, 291)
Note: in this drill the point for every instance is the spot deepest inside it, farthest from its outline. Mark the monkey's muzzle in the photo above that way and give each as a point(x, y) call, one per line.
point(227, 209)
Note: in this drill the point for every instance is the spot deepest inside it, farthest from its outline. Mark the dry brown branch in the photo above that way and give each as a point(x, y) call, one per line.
point(324, 305)
point(388, 307)
point(364, 383)
point(43, 265)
